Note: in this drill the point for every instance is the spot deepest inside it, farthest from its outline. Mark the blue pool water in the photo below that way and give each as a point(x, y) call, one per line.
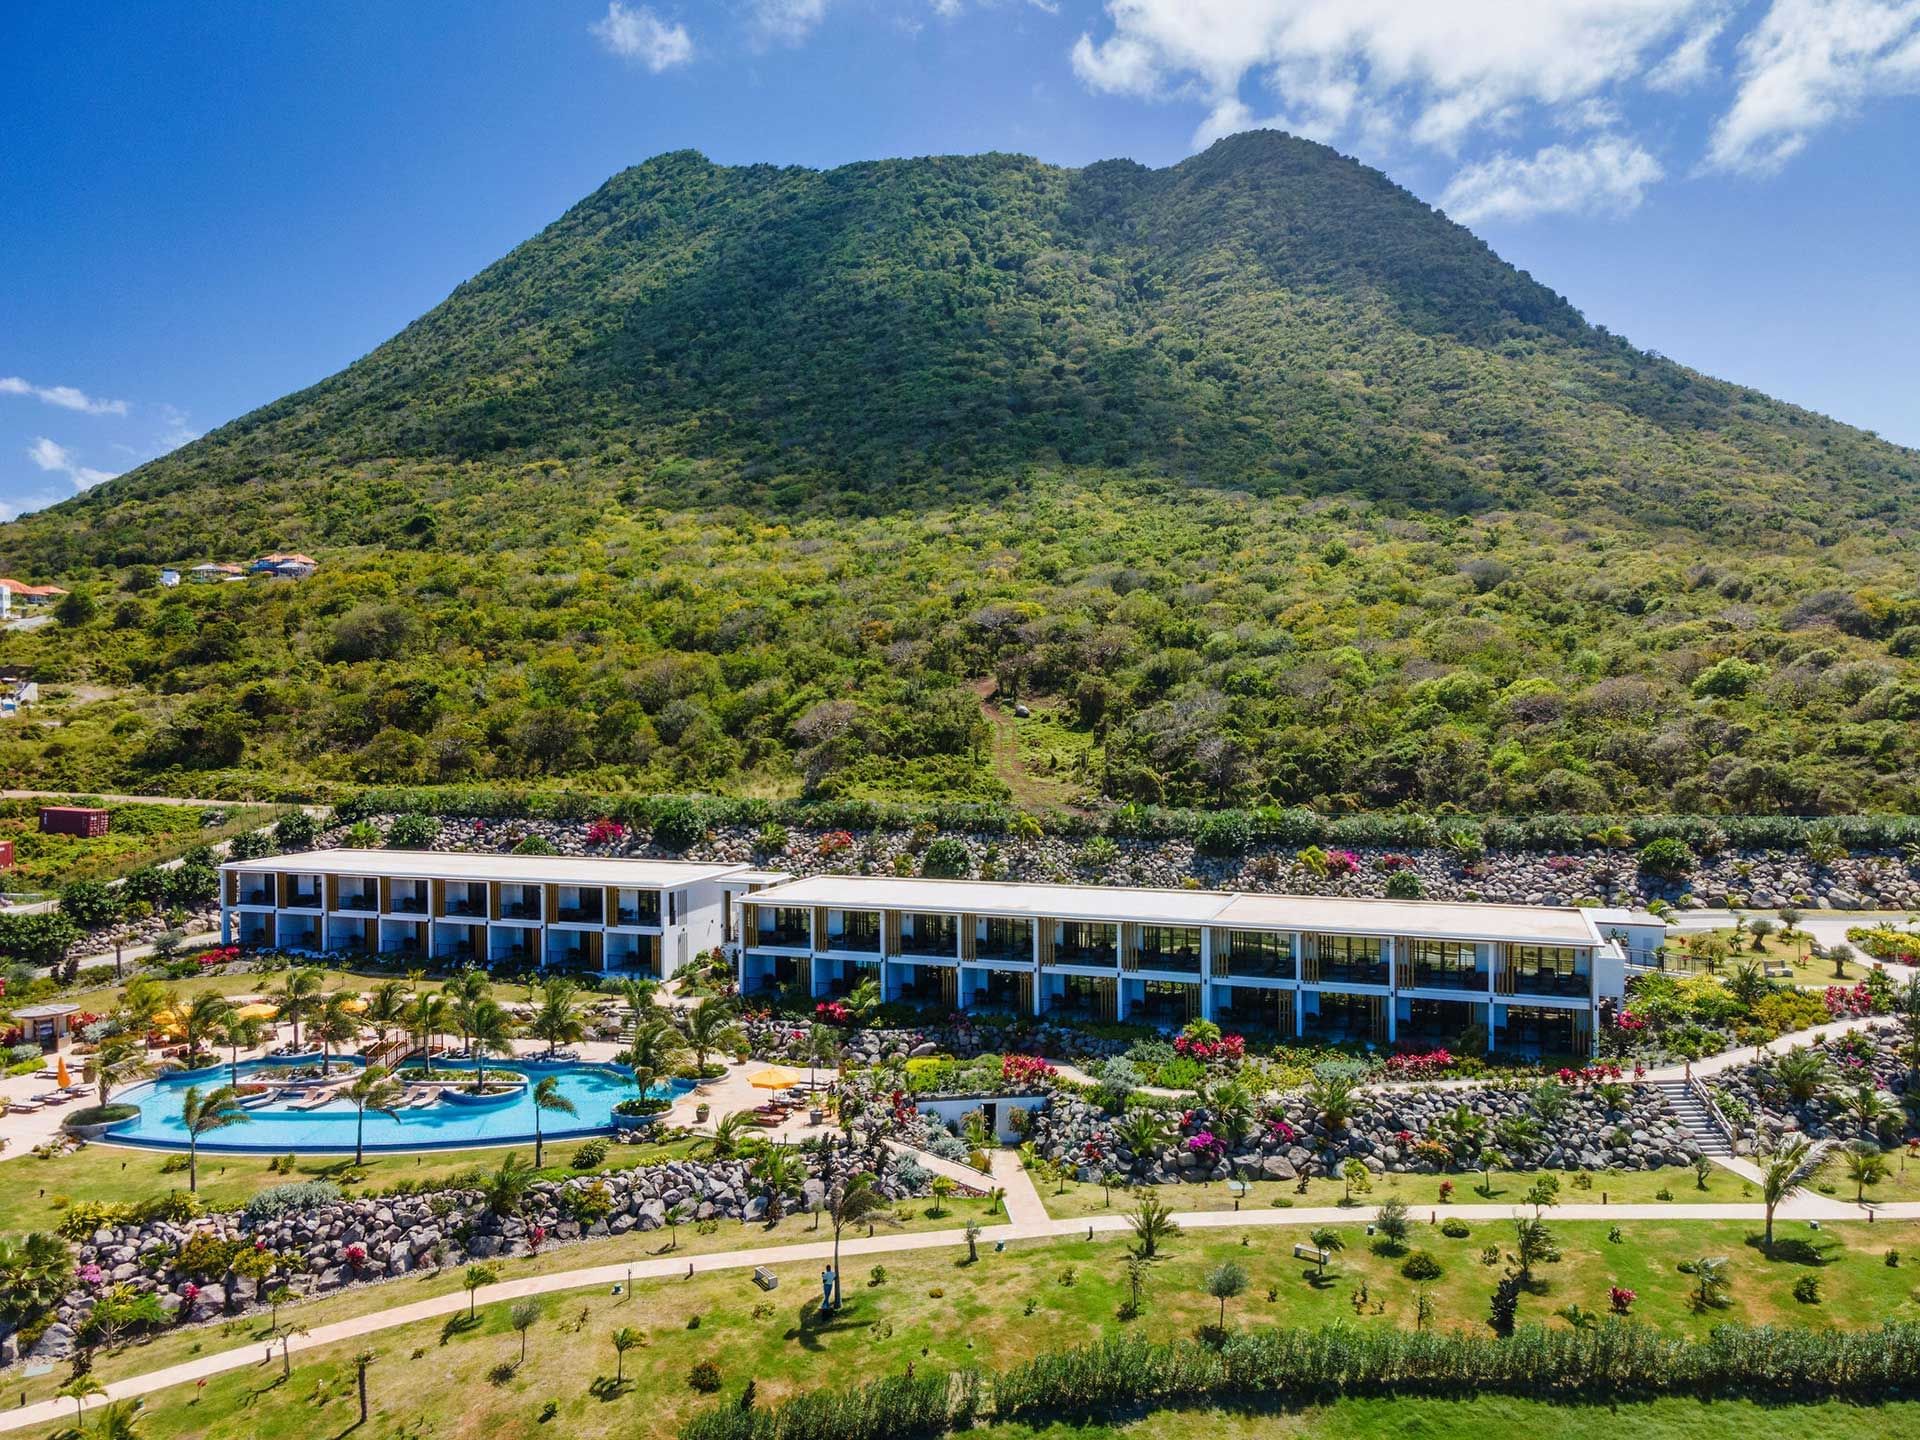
point(277, 1127)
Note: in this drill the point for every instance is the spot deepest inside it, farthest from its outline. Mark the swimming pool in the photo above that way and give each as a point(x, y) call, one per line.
point(277, 1126)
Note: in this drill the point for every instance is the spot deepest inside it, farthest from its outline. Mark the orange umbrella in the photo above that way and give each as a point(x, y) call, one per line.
point(60, 1075)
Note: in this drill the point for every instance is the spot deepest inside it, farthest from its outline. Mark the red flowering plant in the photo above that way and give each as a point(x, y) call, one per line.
point(832, 1012)
point(1281, 1130)
point(1842, 1001)
point(1024, 1070)
point(536, 1237)
point(1446, 1191)
point(606, 832)
point(1396, 862)
point(1342, 862)
point(1621, 1299)
point(1228, 1049)
point(356, 1256)
point(833, 842)
point(1419, 1064)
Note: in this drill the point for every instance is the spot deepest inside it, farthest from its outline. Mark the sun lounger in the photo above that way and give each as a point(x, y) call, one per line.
point(25, 1103)
point(54, 1097)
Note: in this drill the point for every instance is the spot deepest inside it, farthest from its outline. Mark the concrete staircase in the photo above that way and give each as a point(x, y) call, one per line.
point(1693, 1113)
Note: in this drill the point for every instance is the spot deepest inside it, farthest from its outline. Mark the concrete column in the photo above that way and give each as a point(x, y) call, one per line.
point(1206, 972)
point(226, 922)
point(1392, 1002)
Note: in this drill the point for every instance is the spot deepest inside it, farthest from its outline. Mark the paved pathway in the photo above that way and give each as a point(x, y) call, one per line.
point(1027, 1225)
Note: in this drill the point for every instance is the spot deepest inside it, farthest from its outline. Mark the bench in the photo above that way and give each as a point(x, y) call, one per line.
point(765, 1278)
point(1307, 1252)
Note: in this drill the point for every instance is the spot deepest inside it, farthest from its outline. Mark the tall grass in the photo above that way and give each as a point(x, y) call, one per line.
point(1618, 1359)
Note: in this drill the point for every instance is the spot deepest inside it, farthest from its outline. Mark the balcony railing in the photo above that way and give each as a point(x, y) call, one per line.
point(791, 938)
point(519, 910)
point(358, 902)
point(866, 942)
point(464, 907)
point(1550, 982)
point(589, 914)
point(297, 901)
point(1344, 973)
point(1095, 955)
point(1259, 967)
point(1446, 977)
point(256, 897)
point(409, 905)
point(943, 947)
point(1177, 962)
point(633, 915)
point(1005, 954)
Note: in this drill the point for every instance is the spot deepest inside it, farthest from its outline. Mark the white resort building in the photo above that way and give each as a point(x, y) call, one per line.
point(1381, 971)
point(636, 917)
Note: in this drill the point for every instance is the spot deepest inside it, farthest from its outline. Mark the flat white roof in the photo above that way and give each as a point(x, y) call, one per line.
point(1622, 915)
point(1434, 919)
point(467, 865)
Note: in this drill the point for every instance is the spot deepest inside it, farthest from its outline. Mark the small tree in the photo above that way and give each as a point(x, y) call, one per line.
point(1226, 1281)
point(374, 1088)
point(624, 1339)
point(1392, 1220)
point(475, 1277)
point(1532, 1244)
point(523, 1317)
point(943, 1189)
point(1152, 1224)
point(1781, 1172)
point(1710, 1282)
point(1357, 1177)
point(1865, 1164)
point(973, 1241)
point(547, 1098)
point(361, 1361)
point(1327, 1241)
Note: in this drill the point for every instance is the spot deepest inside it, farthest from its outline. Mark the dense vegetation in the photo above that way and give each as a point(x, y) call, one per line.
point(1261, 482)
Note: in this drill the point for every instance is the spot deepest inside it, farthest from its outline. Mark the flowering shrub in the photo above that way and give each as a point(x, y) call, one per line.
point(605, 832)
point(536, 1237)
point(832, 1012)
point(1391, 863)
point(1588, 1074)
point(1625, 1019)
point(219, 955)
point(91, 1275)
point(1561, 864)
point(1024, 1069)
point(1342, 862)
point(1204, 1142)
point(356, 1256)
point(1228, 1048)
point(1419, 1065)
point(1281, 1130)
point(1842, 1001)
point(1446, 1193)
point(834, 841)
point(1621, 1299)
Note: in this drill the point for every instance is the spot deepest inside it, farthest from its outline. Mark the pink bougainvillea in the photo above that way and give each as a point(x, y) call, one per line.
point(1843, 1001)
point(1024, 1069)
point(1342, 862)
point(1621, 1299)
point(1419, 1064)
point(832, 1012)
point(606, 832)
point(1226, 1048)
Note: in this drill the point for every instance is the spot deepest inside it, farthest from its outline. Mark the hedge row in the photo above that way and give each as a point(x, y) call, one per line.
point(683, 818)
point(1617, 1359)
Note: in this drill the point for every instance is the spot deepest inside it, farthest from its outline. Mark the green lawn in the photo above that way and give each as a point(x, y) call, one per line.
point(933, 1308)
point(105, 997)
point(37, 1190)
point(1422, 1192)
point(140, 834)
point(1815, 974)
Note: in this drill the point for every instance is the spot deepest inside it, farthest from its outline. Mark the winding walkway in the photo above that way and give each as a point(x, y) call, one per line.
point(1030, 1222)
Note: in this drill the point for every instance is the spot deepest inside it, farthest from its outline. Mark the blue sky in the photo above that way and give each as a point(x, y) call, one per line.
point(202, 208)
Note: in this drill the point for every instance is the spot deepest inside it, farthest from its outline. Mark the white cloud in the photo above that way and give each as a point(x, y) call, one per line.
point(1440, 70)
point(1807, 64)
point(1691, 61)
point(1607, 176)
point(65, 396)
point(636, 33)
point(787, 21)
point(58, 460)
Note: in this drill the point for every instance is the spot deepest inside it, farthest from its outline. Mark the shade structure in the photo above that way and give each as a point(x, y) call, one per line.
point(775, 1078)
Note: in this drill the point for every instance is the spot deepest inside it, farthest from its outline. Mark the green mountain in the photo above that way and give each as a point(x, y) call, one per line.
point(1261, 478)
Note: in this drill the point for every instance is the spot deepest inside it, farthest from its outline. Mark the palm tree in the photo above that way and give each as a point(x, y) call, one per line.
point(118, 1060)
point(1334, 1099)
point(1462, 1129)
point(823, 1048)
point(1748, 983)
point(39, 1270)
point(79, 1389)
point(374, 1088)
point(202, 1115)
point(1710, 1281)
point(1869, 1107)
point(558, 1021)
point(1152, 1224)
point(774, 1172)
point(1865, 1164)
point(1518, 1134)
point(475, 1277)
point(657, 1049)
point(523, 1317)
point(334, 1026)
point(386, 1010)
point(1782, 1169)
point(361, 1361)
point(296, 996)
point(1532, 1243)
point(426, 1020)
point(547, 1096)
point(202, 1017)
point(1801, 1071)
point(638, 996)
point(624, 1339)
point(239, 1032)
point(1490, 1160)
point(1327, 1241)
point(853, 1201)
point(503, 1189)
point(710, 1026)
point(730, 1132)
point(488, 1030)
point(1143, 1132)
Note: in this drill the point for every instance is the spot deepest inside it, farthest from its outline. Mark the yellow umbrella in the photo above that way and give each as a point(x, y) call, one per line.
point(775, 1079)
point(355, 1005)
point(259, 1010)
